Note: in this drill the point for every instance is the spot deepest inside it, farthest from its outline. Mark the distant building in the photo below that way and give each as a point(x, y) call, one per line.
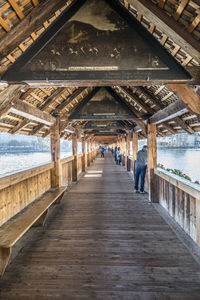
point(182, 140)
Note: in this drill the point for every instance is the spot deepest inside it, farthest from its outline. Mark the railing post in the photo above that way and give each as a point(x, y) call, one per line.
point(135, 150)
point(56, 173)
point(152, 160)
point(83, 156)
point(75, 161)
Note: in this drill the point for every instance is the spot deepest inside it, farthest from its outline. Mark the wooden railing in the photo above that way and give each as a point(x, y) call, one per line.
point(66, 171)
point(181, 199)
point(20, 189)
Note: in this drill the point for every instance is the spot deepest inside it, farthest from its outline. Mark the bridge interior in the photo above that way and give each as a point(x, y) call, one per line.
point(103, 242)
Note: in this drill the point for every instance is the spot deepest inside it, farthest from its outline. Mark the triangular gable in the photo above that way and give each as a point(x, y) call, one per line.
point(102, 104)
point(95, 40)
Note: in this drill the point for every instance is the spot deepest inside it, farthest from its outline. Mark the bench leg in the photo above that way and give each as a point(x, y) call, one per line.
point(59, 199)
point(41, 220)
point(5, 254)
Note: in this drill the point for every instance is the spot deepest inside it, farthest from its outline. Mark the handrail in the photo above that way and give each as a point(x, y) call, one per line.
point(23, 175)
point(183, 184)
point(67, 159)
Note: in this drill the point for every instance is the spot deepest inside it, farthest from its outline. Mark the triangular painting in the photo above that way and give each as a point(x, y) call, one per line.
point(95, 40)
point(104, 104)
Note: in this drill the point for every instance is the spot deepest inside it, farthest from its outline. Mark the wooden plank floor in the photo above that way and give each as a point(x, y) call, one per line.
point(103, 242)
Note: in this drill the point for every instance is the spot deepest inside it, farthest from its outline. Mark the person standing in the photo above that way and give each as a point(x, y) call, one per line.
point(115, 154)
point(140, 169)
point(118, 154)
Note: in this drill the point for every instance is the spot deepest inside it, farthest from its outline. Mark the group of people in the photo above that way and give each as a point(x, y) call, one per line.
point(140, 165)
point(118, 155)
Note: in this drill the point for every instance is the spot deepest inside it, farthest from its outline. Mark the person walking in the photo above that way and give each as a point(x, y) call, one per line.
point(118, 156)
point(102, 151)
point(140, 169)
point(115, 154)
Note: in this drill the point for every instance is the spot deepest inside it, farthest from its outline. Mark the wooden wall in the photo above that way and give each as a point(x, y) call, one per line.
point(182, 201)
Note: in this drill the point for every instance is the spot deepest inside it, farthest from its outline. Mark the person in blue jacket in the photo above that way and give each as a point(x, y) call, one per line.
point(140, 169)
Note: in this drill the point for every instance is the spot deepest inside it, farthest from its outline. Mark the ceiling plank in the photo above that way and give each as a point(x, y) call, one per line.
point(188, 95)
point(169, 26)
point(33, 20)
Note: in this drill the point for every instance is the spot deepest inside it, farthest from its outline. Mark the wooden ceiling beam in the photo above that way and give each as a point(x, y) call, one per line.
point(169, 26)
point(171, 111)
point(55, 95)
point(9, 96)
point(136, 99)
point(29, 24)
point(27, 111)
point(188, 95)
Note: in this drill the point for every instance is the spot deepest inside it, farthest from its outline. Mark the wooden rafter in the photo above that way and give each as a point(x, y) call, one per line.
point(168, 26)
point(33, 20)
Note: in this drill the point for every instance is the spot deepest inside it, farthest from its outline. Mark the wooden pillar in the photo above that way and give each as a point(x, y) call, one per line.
point(198, 221)
point(135, 150)
point(75, 161)
point(88, 152)
point(152, 160)
point(128, 152)
point(83, 156)
point(55, 154)
point(123, 150)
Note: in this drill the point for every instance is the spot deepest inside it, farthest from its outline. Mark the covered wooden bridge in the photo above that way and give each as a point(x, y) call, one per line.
point(109, 73)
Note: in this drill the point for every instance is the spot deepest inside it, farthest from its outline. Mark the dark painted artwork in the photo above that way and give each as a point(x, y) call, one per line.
point(96, 38)
point(102, 106)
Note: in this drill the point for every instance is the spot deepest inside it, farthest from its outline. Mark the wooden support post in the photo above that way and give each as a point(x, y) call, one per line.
point(123, 150)
point(128, 152)
point(75, 161)
point(83, 157)
point(198, 221)
point(135, 150)
point(56, 173)
point(88, 153)
point(152, 160)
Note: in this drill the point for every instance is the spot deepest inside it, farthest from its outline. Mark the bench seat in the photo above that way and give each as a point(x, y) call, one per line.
point(33, 215)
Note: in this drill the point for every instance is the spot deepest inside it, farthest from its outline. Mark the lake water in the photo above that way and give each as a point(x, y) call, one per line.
point(187, 160)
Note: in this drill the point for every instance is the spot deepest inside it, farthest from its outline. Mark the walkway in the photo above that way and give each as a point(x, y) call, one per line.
point(103, 242)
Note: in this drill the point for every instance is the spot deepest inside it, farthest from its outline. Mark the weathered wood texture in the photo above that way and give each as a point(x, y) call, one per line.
point(67, 170)
point(56, 173)
point(181, 200)
point(152, 159)
point(103, 242)
point(19, 190)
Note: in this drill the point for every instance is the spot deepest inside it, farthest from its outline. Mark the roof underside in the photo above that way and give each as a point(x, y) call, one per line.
point(144, 101)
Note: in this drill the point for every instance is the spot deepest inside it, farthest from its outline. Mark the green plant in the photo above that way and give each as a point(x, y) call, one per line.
point(177, 172)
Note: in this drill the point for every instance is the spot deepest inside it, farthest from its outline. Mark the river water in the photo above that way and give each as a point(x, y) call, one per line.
point(187, 160)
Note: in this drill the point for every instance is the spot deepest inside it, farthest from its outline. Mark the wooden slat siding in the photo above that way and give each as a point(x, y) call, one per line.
point(15, 197)
point(79, 164)
point(180, 202)
point(66, 170)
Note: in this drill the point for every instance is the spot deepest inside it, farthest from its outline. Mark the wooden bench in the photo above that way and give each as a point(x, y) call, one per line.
point(33, 215)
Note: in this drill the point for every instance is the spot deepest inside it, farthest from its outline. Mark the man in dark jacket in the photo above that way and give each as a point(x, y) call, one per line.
point(140, 169)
